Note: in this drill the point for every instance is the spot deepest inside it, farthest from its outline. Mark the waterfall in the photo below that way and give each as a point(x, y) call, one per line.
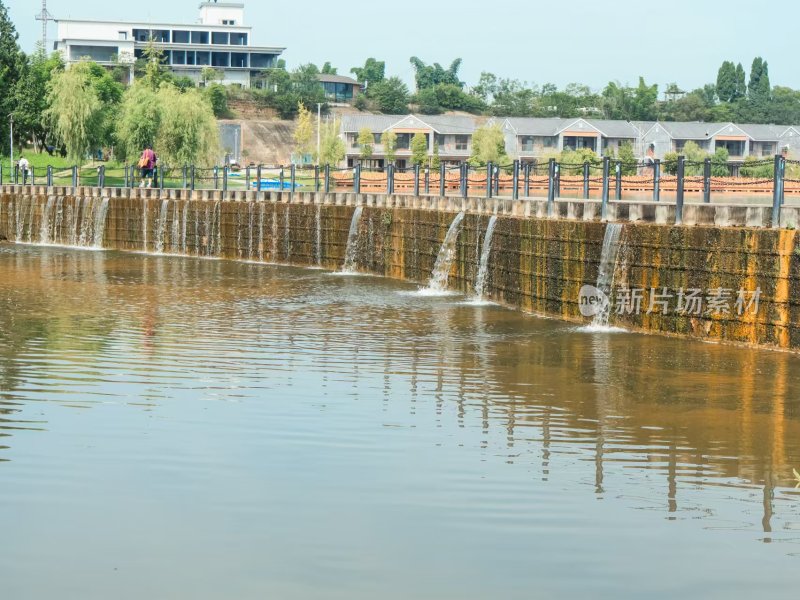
point(45, 225)
point(605, 274)
point(444, 260)
point(58, 221)
point(174, 238)
point(251, 210)
point(19, 216)
point(261, 232)
point(318, 249)
point(352, 246)
point(100, 214)
point(144, 224)
point(480, 280)
point(31, 218)
point(274, 233)
point(87, 222)
point(161, 227)
point(288, 240)
point(184, 225)
point(73, 215)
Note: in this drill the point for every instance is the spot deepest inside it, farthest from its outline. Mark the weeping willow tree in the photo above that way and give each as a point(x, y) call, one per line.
point(75, 110)
point(188, 134)
point(179, 125)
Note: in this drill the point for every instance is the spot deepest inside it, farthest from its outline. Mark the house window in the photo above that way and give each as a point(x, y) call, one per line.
point(377, 137)
point(462, 142)
point(220, 38)
point(178, 57)
point(239, 59)
point(228, 22)
point(203, 59)
point(403, 141)
point(220, 59)
point(238, 39)
point(199, 37)
point(550, 142)
point(527, 143)
point(180, 37)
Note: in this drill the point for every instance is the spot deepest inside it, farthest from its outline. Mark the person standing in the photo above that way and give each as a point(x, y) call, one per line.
point(147, 163)
point(23, 165)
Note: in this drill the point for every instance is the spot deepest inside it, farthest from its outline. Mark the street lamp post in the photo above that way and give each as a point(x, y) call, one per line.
point(319, 125)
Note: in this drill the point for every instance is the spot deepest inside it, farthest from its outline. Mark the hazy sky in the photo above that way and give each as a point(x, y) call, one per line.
point(584, 41)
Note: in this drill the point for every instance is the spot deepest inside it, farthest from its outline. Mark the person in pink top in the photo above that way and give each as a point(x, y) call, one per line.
point(147, 163)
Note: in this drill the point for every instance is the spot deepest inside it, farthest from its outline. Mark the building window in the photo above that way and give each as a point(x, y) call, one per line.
point(462, 142)
point(123, 35)
point(527, 143)
point(178, 57)
point(220, 38)
point(403, 141)
point(199, 37)
point(377, 138)
point(180, 37)
point(238, 39)
point(190, 59)
point(261, 61)
point(550, 142)
point(228, 22)
point(239, 59)
point(220, 59)
point(203, 59)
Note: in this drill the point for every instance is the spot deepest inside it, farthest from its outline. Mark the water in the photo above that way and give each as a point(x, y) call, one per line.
point(174, 428)
point(351, 251)
point(483, 269)
point(318, 224)
point(46, 224)
point(605, 274)
point(444, 260)
point(161, 227)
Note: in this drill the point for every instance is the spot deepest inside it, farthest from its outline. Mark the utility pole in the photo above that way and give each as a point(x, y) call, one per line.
point(319, 127)
point(44, 17)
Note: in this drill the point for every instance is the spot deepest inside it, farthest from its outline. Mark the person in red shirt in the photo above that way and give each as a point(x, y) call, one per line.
point(147, 163)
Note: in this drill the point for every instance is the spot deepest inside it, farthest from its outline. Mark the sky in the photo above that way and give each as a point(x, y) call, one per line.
point(583, 41)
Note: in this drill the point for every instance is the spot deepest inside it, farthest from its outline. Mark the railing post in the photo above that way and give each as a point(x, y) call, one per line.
point(551, 187)
point(442, 180)
point(779, 174)
point(281, 179)
point(427, 180)
point(185, 174)
point(586, 174)
point(604, 196)
point(49, 176)
point(489, 186)
point(618, 182)
point(258, 177)
point(74, 176)
point(357, 179)
point(161, 172)
point(293, 175)
point(1, 174)
point(515, 181)
point(707, 180)
point(16, 174)
point(557, 180)
point(416, 180)
point(657, 180)
point(101, 177)
point(316, 178)
point(224, 178)
point(191, 173)
point(216, 177)
point(496, 180)
point(681, 172)
point(390, 180)
point(528, 179)
point(327, 179)
point(247, 178)
point(466, 180)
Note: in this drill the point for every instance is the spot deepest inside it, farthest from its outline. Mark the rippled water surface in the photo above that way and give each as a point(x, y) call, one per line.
point(184, 428)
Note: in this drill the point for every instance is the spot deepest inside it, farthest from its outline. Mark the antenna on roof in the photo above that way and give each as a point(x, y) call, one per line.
point(44, 17)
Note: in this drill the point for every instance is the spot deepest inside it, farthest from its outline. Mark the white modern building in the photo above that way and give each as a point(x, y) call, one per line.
point(219, 39)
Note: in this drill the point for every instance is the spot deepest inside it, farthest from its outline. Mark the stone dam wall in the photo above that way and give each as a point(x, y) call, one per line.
point(538, 265)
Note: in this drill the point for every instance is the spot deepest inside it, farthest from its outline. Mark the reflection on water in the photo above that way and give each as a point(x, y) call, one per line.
point(177, 427)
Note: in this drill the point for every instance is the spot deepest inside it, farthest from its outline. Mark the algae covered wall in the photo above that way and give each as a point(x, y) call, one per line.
point(536, 265)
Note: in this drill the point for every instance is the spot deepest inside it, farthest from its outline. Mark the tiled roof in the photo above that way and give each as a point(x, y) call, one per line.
point(443, 124)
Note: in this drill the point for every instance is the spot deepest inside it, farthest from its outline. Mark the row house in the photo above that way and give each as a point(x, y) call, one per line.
point(450, 135)
point(531, 138)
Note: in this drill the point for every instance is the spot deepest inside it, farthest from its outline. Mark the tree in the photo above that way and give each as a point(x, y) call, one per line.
point(390, 96)
point(431, 75)
point(365, 141)
point(217, 95)
point(759, 88)
point(389, 140)
point(628, 159)
point(76, 112)
point(726, 82)
point(304, 131)
point(30, 97)
point(12, 66)
point(155, 73)
point(139, 120)
point(332, 149)
point(436, 162)
point(210, 74)
point(373, 71)
point(419, 149)
point(488, 145)
point(327, 69)
point(741, 86)
point(306, 84)
point(719, 163)
point(434, 100)
point(188, 134)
